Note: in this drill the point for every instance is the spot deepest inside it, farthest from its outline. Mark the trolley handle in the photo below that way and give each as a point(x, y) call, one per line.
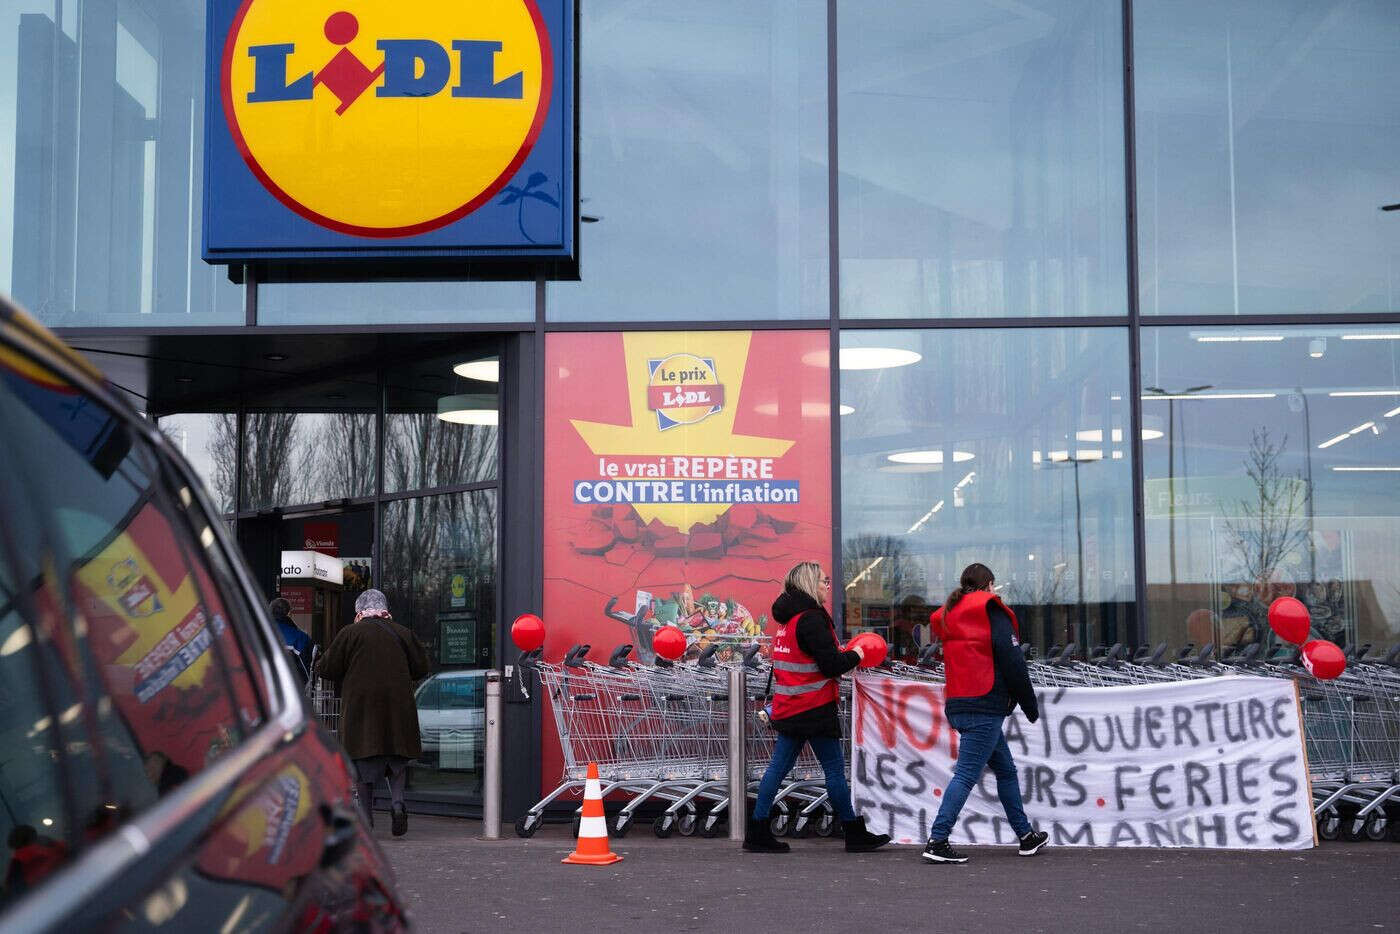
point(750, 654)
point(1159, 655)
point(1204, 656)
point(618, 659)
point(1392, 657)
point(927, 653)
point(707, 656)
point(575, 656)
point(1067, 656)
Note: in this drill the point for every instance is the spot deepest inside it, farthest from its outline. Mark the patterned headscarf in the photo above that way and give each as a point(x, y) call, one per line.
point(372, 603)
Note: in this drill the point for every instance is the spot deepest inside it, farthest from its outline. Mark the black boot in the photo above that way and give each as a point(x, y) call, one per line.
point(860, 840)
point(758, 838)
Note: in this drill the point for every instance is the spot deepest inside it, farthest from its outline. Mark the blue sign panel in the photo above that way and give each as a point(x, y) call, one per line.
point(390, 131)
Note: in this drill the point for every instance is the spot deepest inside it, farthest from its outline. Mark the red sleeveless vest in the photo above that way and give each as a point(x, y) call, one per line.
point(798, 683)
point(968, 667)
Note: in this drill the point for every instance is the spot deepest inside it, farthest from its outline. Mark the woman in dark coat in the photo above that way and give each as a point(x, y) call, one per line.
point(377, 662)
point(807, 661)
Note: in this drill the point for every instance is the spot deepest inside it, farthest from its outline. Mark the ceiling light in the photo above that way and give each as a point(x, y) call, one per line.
point(1331, 441)
point(809, 409)
point(1317, 347)
point(274, 357)
point(487, 370)
point(1371, 337)
point(1095, 435)
point(1393, 412)
point(1367, 469)
point(866, 358)
point(1364, 392)
point(1262, 338)
point(20, 638)
point(1213, 395)
point(929, 457)
point(184, 379)
point(469, 409)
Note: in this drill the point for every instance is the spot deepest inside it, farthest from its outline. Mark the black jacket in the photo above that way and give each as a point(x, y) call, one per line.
point(1011, 683)
point(814, 636)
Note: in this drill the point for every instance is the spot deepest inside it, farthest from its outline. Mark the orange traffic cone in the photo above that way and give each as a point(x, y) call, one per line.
point(592, 848)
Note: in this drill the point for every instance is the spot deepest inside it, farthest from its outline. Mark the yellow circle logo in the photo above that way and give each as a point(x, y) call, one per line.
point(390, 120)
point(683, 389)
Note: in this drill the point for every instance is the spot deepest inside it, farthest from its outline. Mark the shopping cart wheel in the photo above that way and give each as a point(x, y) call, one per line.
point(688, 823)
point(1329, 825)
point(801, 827)
point(622, 825)
point(575, 824)
point(663, 825)
point(1375, 826)
point(526, 825)
point(824, 824)
point(779, 822)
point(713, 828)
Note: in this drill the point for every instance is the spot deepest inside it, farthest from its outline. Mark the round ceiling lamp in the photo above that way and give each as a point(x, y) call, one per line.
point(866, 358)
point(487, 370)
point(469, 409)
point(928, 457)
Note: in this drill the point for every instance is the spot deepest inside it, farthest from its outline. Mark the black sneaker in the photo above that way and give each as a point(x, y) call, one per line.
point(938, 851)
point(1032, 842)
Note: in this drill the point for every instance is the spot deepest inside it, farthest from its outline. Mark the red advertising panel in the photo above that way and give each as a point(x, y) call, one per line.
point(322, 536)
point(685, 473)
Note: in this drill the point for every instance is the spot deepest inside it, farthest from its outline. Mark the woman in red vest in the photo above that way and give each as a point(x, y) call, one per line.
point(807, 661)
point(986, 678)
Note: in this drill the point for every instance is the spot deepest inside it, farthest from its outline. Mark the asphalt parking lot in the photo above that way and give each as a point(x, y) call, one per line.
point(455, 881)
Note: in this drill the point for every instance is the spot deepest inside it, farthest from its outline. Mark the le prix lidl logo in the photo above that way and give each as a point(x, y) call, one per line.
point(381, 118)
point(683, 389)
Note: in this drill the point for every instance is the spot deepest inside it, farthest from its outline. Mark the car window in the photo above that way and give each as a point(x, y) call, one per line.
point(460, 693)
point(428, 694)
point(133, 643)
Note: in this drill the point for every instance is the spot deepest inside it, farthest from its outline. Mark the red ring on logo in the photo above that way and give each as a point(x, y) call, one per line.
point(541, 111)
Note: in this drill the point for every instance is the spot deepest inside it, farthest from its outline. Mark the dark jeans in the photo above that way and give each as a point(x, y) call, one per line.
point(980, 743)
point(785, 753)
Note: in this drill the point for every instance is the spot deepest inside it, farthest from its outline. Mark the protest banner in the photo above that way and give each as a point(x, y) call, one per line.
point(1213, 763)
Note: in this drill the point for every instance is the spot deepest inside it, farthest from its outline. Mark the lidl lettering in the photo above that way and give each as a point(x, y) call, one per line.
point(411, 68)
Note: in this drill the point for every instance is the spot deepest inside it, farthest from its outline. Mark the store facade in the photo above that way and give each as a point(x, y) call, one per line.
point(1109, 288)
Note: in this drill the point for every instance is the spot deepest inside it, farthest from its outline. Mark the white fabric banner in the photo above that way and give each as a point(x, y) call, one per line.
point(1213, 763)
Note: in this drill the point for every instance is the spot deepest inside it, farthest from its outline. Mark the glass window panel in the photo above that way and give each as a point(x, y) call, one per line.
point(209, 441)
point(1266, 140)
point(1270, 459)
point(291, 458)
point(394, 302)
point(102, 146)
point(438, 555)
point(1007, 447)
point(703, 141)
point(981, 158)
point(422, 448)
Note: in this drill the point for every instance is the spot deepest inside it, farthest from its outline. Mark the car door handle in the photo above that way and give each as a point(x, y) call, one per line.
point(342, 833)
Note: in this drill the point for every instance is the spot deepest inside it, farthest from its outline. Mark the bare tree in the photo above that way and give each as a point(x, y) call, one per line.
point(882, 560)
point(275, 465)
point(343, 454)
point(1270, 526)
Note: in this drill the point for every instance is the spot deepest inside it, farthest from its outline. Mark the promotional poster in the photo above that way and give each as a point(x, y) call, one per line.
point(685, 473)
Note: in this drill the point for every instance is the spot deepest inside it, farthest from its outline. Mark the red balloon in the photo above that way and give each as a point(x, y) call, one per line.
point(873, 645)
point(527, 632)
point(668, 642)
point(1323, 660)
point(1289, 619)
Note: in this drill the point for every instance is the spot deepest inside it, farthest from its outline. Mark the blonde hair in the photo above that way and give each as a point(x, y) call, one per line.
point(805, 578)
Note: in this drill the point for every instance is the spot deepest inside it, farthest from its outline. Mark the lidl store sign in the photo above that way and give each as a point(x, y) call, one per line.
point(389, 129)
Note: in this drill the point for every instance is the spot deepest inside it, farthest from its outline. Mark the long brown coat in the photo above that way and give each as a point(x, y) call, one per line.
point(376, 672)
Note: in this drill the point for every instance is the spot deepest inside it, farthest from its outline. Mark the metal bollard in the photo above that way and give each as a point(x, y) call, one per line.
point(738, 753)
point(491, 780)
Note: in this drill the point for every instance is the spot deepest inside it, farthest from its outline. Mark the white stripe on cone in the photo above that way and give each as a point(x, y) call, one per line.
point(592, 827)
point(592, 789)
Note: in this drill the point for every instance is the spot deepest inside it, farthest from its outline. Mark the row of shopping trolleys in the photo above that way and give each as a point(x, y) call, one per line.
point(659, 733)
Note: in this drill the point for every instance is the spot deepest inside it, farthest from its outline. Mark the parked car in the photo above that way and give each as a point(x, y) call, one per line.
point(452, 717)
point(159, 765)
